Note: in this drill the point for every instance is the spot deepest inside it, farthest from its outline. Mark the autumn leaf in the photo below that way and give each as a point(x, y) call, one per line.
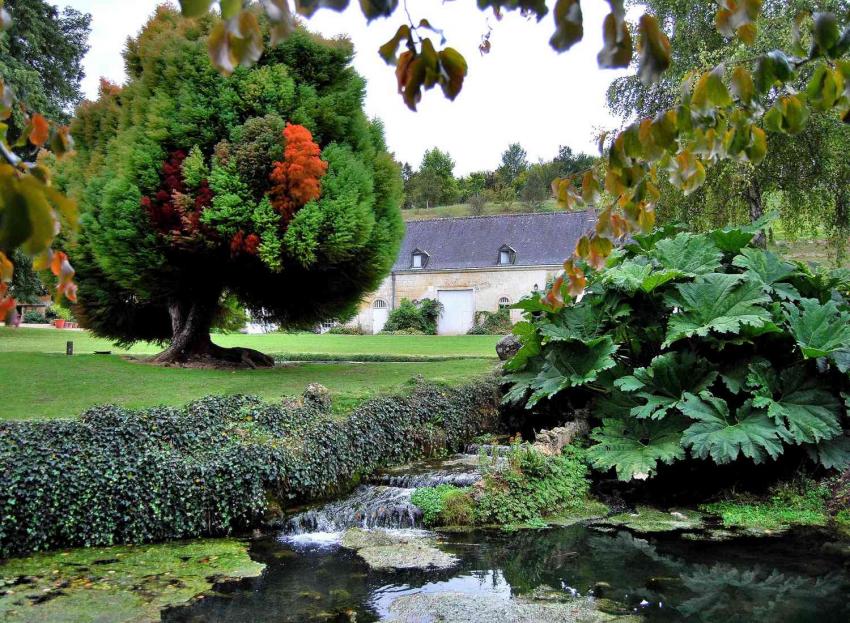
point(40, 130)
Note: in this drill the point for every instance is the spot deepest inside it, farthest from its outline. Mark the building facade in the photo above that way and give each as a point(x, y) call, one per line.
point(474, 264)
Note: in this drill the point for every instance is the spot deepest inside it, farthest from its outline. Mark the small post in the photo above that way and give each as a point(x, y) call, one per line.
point(69, 348)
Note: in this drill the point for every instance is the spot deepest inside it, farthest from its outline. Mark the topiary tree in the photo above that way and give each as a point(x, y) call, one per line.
point(697, 346)
point(270, 185)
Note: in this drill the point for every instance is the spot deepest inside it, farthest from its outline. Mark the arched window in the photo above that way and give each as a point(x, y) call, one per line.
point(379, 304)
point(504, 302)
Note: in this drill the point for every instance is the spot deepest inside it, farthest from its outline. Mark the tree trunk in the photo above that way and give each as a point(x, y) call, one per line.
point(191, 344)
point(756, 211)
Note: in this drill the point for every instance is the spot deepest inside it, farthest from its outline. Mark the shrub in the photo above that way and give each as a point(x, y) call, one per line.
point(210, 468)
point(477, 204)
point(33, 317)
point(343, 330)
point(492, 323)
point(696, 346)
point(432, 502)
point(421, 317)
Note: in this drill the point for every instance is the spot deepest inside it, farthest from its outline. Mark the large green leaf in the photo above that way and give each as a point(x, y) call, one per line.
point(581, 321)
point(769, 270)
point(571, 364)
point(663, 384)
point(719, 435)
point(527, 333)
point(632, 275)
point(731, 240)
point(820, 329)
point(691, 254)
point(832, 454)
point(635, 447)
point(716, 302)
point(807, 409)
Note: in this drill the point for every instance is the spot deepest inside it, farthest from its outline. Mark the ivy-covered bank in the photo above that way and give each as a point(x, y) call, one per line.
point(217, 466)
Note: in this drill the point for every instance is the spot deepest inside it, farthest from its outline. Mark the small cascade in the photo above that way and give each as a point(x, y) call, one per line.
point(489, 450)
point(368, 506)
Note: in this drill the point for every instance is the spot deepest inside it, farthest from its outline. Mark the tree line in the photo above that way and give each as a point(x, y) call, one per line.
point(516, 179)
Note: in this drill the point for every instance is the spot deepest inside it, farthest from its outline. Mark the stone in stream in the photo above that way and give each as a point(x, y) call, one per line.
point(453, 607)
point(397, 550)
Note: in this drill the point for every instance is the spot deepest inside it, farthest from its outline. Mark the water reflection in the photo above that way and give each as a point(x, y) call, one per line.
point(666, 579)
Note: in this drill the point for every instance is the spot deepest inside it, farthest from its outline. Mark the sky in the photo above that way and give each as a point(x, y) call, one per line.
point(522, 91)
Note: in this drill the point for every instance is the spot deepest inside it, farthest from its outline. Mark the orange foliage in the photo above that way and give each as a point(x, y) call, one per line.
point(297, 180)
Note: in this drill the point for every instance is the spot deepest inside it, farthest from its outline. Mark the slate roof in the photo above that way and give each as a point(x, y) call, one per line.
point(539, 239)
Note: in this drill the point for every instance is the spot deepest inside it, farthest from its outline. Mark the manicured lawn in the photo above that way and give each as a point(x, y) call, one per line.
point(46, 385)
point(53, 341)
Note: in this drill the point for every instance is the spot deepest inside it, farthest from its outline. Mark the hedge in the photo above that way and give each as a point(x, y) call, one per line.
point(216, 466)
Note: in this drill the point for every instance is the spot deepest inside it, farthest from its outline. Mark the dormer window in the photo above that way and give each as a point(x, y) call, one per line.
point(419, 259)
point(507, 255)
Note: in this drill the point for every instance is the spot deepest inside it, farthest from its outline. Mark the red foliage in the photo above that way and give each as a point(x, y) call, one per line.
point(297, 179)
point(240, 243)
point(171, 210)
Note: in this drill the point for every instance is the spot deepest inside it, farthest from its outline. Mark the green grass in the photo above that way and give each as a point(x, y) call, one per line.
point(464, 209)
point(47, 385)
point(476, 346)
point(791, 504)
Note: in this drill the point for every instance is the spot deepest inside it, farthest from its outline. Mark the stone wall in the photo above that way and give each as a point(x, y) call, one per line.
point(489, 285)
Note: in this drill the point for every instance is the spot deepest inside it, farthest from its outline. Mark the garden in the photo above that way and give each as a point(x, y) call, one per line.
point(664, 436)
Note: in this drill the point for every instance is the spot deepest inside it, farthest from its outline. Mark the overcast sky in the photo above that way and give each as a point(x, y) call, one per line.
point(522, 91)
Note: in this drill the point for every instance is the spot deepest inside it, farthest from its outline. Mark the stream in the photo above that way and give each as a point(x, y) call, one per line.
point(664, 577)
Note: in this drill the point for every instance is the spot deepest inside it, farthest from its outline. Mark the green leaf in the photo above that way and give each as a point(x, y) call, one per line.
point(569, 25)
point(631, 276)
point(718, 435)
point(717, 303)
point(731, 240)
point(308, 7)
point(825, 34)
point(805, 407)
point(710, 91)
point(581, 321)
point(195, 8)
point(229, 8)
point(832, 454)
point(571, 364)
point(691, 254)
point(743, 86)
point(389, 50)
point(377, 8)
point(527, 333)
point(663, 384)
point(769, 270)
point(452, 72)
point(819, 329)
point(635, 447)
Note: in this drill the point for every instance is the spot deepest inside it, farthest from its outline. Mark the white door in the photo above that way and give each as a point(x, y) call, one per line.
point(458, 312)
point(379, 318)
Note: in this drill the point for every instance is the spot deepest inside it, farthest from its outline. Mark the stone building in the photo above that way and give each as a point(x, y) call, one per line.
point(474, 264)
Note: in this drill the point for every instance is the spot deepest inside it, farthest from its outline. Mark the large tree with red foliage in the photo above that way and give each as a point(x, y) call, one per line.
point(270, 185)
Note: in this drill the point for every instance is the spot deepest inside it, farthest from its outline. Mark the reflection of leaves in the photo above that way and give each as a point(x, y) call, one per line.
point(726, 593)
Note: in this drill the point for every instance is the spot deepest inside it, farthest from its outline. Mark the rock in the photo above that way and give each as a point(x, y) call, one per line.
point(453, 607)
point(646, 520)
point(318, 396)
point(551, 442)
point(386, 550)
point(508, 346)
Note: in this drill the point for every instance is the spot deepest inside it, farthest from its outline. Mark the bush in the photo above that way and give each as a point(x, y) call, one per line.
point(492, 323)
point(210, 468)
point(421, 317)
point(34, 317)
point(343, 330)
point(525, 489)
point(696, 346)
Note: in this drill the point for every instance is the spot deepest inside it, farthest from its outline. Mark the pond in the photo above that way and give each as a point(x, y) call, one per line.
point(660, 578)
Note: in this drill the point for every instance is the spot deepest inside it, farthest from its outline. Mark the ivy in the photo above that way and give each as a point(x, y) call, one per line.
point(210, 468)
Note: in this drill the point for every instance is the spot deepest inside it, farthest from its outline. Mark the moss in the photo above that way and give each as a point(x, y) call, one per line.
point(131, 583)
point(646, 519)
point(800, 503)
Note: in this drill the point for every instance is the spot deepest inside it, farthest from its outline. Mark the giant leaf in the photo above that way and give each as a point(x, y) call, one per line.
point(530, 340)
point(571, 364)
point(663, 383)
point(581, 321)
point(692, 254)
point(832, 454)
point(632, 275)
point(768, 269)
point(796, 399)
point(820, 329)
point(717, 303)
point(719, 435)
point(635, 447)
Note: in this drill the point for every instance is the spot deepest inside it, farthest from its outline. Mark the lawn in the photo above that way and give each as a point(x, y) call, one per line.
point(37, 380)
point(51, 340)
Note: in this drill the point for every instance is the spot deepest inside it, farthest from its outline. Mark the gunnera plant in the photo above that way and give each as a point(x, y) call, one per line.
point(695, 346)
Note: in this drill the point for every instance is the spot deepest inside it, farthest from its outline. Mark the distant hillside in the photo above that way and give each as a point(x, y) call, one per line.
point(465, 209)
